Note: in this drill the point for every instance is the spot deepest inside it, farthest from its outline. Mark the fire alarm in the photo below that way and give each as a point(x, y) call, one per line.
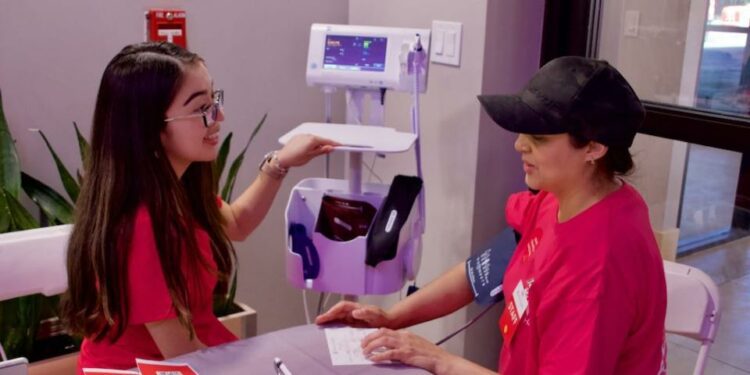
point(166, 25)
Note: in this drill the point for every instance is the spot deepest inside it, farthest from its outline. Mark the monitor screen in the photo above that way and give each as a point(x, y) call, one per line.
point(357, 53)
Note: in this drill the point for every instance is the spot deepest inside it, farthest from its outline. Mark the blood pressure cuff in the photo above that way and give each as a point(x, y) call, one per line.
point(382, 241)
point(485, 270)
point(343, 219)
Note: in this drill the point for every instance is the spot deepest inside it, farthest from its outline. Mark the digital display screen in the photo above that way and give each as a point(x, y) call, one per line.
point(356, 53)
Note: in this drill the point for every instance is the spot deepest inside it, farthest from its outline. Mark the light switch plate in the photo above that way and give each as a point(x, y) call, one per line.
point(447, 36)
point(632, 19)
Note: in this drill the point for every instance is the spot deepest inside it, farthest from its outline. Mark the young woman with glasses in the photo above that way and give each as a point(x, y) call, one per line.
point(152, 242)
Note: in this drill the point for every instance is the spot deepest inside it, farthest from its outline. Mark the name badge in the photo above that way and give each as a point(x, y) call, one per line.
point(521, 298)
point(514, 311)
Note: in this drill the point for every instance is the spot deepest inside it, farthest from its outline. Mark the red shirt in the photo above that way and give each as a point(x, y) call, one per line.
point(149, 301)
point(595, 286)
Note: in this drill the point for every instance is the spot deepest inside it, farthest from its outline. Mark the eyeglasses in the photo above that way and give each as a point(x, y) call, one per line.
point(210, 114)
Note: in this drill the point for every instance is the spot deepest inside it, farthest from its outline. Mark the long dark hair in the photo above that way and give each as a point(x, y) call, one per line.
point(128, 168)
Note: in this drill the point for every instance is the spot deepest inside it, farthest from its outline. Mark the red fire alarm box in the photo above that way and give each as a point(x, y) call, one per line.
point(166, 25)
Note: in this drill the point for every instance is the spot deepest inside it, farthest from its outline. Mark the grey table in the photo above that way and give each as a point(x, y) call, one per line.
point(303, 349)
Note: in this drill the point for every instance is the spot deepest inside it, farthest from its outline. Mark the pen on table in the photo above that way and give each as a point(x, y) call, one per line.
point(281, 367)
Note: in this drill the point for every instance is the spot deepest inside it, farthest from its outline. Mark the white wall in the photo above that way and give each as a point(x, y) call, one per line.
point(469, 164)
point(52, 55)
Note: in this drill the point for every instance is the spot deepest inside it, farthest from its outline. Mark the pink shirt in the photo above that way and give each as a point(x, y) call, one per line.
point(149, 301)
point(596, 289)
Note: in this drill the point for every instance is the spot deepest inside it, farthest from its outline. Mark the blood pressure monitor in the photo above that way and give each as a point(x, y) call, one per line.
point(366, 57)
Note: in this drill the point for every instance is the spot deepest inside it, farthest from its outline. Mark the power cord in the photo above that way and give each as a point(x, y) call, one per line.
point(372, 170)
point(322, 301)
point(304, 302)
point(465, 326)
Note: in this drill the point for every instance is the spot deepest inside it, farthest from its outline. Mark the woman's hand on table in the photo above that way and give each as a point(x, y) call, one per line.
point(406, 347)
point(355, 315)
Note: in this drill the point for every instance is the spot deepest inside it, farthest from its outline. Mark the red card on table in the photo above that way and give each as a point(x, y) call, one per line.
point(147, 367)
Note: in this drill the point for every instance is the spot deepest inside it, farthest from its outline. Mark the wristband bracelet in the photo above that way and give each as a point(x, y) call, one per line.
point(270, 165)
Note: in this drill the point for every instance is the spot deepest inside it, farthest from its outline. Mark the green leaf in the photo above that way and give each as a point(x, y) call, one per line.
point(85, 150)
point(4, 214)
point(70, 184)
point(20, 218)
point(52, 203)
point(226, 193)
point(83, 145)
point(10, 166)
point(224, 303)
point(221, 160)
point(19, 322)
point(255, 131)
point(232, 292)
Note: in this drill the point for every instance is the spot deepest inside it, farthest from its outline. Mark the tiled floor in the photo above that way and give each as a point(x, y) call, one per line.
point(729, 266)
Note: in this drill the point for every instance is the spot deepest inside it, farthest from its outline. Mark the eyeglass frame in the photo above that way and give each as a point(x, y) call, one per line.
point(213, 110)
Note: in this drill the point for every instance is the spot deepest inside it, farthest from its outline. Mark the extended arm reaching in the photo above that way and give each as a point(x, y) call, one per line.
point(444, 295)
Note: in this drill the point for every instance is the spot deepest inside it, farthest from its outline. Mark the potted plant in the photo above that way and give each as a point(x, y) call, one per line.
point(28, 322)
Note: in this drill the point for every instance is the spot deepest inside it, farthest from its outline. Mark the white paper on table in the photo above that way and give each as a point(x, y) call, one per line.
point(344, 345)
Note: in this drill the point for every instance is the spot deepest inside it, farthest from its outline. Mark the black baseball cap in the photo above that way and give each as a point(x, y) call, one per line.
point(572, 94)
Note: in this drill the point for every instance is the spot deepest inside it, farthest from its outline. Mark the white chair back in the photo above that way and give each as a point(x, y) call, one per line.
point(693, 307)
point(16, 366)
point(33, 261)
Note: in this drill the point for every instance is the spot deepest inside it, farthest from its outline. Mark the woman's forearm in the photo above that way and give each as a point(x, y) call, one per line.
point(172, 338)
point(246, 212)
point(455, 365)
point(444, 295)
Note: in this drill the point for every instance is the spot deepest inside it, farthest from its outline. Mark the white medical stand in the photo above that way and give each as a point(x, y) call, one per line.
point(342, 263)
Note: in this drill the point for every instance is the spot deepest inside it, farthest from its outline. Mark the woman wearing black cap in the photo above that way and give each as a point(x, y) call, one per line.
point(585, 290)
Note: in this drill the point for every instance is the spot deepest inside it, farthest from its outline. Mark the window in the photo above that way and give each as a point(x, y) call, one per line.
point(688, 61)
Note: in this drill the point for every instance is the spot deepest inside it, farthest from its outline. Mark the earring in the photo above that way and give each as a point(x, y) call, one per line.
point(591, 161)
